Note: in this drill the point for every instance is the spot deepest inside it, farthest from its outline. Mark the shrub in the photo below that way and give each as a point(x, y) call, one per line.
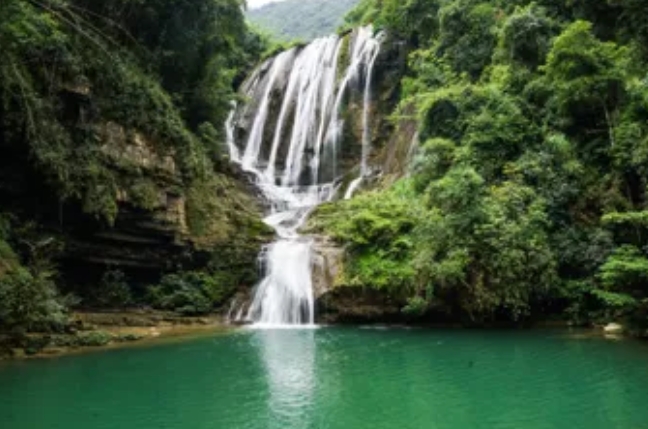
point(93, 339)
point(29, 302)
point(416, 306)
point(113, 290)
point(190, 293)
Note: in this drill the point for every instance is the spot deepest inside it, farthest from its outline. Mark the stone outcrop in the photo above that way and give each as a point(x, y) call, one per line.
point(328, 263)
point(338, 303)
point(133, 148)
point(395, 155)
point(160, 220)
point(141, 238)
point(357, 305)
point(174, 226)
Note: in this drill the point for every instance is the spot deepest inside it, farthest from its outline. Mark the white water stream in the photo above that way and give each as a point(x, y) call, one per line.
point(293, 156)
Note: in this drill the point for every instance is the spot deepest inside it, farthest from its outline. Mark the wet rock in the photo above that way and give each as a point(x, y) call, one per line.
point(240, 322)
point(132, 148)
point(127, 338)
point(328, 263)
point(357, 306)
point(613, 328)
point(396, 155)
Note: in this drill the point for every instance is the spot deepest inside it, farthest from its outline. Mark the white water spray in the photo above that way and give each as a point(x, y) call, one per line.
point(299, 171)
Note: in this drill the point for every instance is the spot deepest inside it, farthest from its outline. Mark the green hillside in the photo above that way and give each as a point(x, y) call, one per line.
point(301, 19)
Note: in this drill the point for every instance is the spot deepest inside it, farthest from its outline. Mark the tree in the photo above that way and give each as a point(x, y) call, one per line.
point(587, 77)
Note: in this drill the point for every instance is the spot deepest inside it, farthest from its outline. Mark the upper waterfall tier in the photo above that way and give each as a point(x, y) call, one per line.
point(301, 105)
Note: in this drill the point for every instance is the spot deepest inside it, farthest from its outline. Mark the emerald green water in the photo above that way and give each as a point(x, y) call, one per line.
point(338, 379)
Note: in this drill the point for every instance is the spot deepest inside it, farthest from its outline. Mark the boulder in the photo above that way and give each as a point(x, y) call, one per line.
point(613, 328)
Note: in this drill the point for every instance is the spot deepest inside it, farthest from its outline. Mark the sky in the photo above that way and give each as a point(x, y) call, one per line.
point(253, 4)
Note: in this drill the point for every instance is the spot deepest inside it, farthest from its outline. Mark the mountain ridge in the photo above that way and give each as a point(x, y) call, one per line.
point(301, 19)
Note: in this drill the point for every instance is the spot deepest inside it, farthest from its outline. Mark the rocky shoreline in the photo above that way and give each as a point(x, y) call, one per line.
point(111, 329)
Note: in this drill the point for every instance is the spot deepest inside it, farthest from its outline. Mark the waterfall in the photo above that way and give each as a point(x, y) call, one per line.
point(366, 126)
point(292, 131)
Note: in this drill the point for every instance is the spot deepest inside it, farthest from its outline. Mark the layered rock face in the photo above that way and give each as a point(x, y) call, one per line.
point(142, 238)
point(162, 221)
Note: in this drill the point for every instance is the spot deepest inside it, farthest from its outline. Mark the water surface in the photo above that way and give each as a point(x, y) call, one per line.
point(338, 379)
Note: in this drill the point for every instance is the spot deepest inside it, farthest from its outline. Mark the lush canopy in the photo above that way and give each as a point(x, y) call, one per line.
point(530, 180)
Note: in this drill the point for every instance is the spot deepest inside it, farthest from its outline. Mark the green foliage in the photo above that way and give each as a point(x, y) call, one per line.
point(526, 35)
point(377, 228)
point(534, 156)
point(467, 35)
point(583, 71)
point(189, 294)
point(613, 299)
point(196, 66)
point(416, 306)
point(113, 290)
point(434, 160)
point(413, 21)
point(488, 245)
point(29, 299)
point(629, 227)
point(429, 71)
point(626, 269)
point(144, 194)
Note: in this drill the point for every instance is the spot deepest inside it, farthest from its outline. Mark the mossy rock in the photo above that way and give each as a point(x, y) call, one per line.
point(128, 338)
point(93, 339)
point(34, 345)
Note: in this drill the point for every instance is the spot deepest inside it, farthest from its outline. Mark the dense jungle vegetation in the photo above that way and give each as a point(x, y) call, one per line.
point(162, 73)
point(302, 20)
point(528, 195)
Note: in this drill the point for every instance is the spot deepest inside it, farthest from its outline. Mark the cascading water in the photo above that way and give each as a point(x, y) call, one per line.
point(366, 129)
point(293, 155)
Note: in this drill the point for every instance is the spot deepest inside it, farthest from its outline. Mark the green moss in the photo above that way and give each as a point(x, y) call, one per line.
point(144, 193)
point(8, 259)
point(206, 212)
point(219, 209)
point(128, 338)
point(344, 57)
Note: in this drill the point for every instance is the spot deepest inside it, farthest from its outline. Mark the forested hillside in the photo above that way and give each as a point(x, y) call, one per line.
point(113, 173)
point(301, 19)
point(527, 197)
